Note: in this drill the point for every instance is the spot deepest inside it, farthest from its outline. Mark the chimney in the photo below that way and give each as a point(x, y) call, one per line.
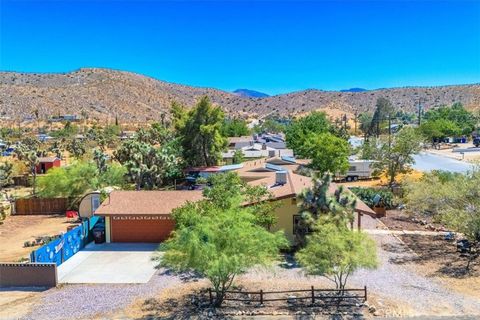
point(280, 177)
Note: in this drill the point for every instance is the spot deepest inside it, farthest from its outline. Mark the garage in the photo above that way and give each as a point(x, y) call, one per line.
point(141, 228)
point(142, 216)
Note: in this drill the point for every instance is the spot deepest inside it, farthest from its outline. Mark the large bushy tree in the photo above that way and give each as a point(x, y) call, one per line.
point(327, 152)
point(235, 127)
point(395, 156)
point(300, 129)
point(200, 133)
point(463, 119)
point(436, 130)
point(78, 178)
point(219, 237)
point(151, 158)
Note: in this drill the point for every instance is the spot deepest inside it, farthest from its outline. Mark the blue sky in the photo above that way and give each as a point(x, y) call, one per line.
point(274, 47)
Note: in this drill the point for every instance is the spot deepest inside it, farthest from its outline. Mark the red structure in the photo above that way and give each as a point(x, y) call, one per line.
point(46, 163)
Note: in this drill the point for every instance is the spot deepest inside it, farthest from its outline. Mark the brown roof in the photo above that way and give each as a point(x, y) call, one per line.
point(296, 184)
point(146, 202)
point(163, 202)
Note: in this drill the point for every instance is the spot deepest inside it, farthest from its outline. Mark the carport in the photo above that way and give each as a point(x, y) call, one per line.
point(110, 263)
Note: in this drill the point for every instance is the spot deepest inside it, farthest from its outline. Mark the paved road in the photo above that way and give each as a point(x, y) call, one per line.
point(427, 162)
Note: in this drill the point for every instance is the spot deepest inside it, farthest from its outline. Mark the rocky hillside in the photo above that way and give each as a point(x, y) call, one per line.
point(103, 93)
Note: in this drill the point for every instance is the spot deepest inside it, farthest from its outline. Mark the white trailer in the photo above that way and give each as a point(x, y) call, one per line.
point(359, 169)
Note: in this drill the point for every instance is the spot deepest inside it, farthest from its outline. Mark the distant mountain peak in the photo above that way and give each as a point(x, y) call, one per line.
point(250, 93)
point(354, 90)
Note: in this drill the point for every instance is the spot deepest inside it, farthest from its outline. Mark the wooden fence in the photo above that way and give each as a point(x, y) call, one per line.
point(312, 295)
point(38, 206)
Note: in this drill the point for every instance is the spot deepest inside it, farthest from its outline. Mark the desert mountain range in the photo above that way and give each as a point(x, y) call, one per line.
point(104, 93)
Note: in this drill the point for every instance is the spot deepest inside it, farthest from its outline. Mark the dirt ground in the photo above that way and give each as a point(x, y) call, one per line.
point(438, 258)
point(16, 303)
point(15, 230)
point(400, 220)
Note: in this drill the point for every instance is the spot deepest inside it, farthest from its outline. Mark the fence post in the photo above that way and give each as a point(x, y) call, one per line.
point(210, 295)
point(261, 296)
point(365, 289)
point(313, 295)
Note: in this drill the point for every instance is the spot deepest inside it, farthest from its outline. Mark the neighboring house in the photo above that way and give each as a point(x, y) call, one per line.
point(144, 216)
point(46, 163)
point(256, 151)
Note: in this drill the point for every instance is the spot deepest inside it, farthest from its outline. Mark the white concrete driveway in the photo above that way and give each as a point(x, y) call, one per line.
point(110, 263)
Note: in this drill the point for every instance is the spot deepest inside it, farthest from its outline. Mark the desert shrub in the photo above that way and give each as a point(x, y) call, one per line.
point(368, 194)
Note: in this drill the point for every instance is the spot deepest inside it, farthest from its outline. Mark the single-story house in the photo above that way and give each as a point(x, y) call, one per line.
point(46, 163)
point(145, 216)
point(142, 216)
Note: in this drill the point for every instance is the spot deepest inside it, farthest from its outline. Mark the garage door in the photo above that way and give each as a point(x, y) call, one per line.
point(141, 228)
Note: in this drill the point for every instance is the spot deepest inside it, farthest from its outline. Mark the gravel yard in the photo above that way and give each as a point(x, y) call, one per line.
point(396, 279)
point(395, 288)
point(88, 301)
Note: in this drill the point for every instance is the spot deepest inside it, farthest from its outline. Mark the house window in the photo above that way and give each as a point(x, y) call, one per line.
point(95, 203)
point(352, 168)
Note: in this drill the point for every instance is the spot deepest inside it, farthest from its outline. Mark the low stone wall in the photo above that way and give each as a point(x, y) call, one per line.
point(28, 275)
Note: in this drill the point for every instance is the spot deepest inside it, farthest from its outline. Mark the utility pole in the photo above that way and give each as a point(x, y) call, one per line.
point(355, 121)
point(389, 132)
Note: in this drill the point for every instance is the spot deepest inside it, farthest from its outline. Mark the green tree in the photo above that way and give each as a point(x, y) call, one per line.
point(335, 252)
point(383, 110)
point(152, 158)
point(464, 119)
point(78, 178)
point(200, 134)
point(298, 131)
point(235, 128)
point(327, 152)
point(270, 126)
point(438, 129)
point(28, 151)
point(365, 120)
point(100, 159)
point(238, 156)
point(226, 188)
point(318, 201)
point(396, 156)
point(6, 171)
point(76, 147)
point(219, 243)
